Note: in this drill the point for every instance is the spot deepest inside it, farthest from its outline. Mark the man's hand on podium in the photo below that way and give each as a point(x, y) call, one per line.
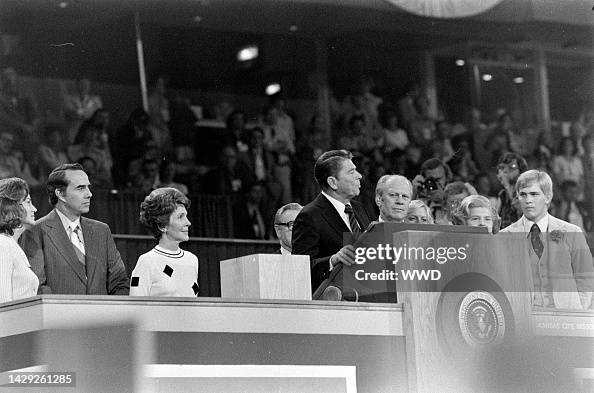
point(345, 255)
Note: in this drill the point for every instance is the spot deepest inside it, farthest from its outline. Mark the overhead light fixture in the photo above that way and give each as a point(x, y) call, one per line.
point(247, 53)
point(518, 80)
point(460, 62)
point(273, 88)
point(487, 77)
point(63, 4)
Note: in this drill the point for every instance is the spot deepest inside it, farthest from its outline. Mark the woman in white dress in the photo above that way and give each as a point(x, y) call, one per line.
point(17, 213)
point(166, 270)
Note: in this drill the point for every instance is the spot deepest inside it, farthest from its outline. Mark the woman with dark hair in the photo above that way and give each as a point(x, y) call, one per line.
point(166, 270)
point(477, 211)
point(17, 213)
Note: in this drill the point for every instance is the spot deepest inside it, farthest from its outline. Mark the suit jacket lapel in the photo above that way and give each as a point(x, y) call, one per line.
point(331, 215)
point(58, 236)
point(92, 247)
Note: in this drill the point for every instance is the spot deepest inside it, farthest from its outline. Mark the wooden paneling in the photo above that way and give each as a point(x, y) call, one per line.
point(209, 251)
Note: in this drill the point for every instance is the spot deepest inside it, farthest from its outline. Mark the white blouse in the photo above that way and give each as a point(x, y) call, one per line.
point(17, 280)
point(161, 272)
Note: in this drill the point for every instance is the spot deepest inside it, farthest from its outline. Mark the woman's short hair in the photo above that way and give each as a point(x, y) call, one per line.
point(11, 214)
point(418, 204)
point(462, 214)
point(14, 188)
point(158, 206)
point(540, 178)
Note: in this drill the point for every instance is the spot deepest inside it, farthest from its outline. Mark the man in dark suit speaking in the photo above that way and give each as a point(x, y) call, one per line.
point(320, 227)
point(72, 254)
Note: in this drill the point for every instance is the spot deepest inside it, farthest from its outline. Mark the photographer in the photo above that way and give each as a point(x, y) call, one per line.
point(430, 184)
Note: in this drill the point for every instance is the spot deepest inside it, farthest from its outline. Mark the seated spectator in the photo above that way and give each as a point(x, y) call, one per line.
point(159, 114)
point(419, 213)
point(454, 193)
point(237, 135)
point(167, 173)
point(462, 164)
point(231, 177)
point(250, 216)
point(79, 106)
point(567, 165)
point(509, 168)
point(132, 141)
point(51, 151)
point(166, 270)
point(17, 110)
point(356, 140)
point(309, 148)
point(569, 209)
point(12, 162)
point(93, 144)
point(422, 129)
point(482, 181)
point(394, 140)
point(477, 211)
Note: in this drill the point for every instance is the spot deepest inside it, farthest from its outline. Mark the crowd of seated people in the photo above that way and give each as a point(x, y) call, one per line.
point(157, 148)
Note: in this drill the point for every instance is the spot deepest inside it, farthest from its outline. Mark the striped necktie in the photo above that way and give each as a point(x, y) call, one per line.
point(348, 209)
point(76, 239)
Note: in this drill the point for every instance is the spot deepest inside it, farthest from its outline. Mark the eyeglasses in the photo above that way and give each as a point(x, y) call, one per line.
point(289, 224)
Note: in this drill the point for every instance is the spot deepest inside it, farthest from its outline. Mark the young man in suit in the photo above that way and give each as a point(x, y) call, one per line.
point(560, 260)
point(72, 254)
point(320, 228)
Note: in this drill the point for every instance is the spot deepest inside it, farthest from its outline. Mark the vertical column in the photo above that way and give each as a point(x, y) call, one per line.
point(428, 78)
point(140, 56)
point(541, 89)
point(323, 91)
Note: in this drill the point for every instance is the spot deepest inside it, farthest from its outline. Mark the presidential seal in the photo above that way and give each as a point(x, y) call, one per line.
point(481, 319)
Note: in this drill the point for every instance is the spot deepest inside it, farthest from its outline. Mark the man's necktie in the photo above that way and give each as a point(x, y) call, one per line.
point(537, 245)
point(76, 239)
point(348, 209)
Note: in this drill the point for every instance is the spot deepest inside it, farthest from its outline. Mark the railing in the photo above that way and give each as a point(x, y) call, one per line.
point(209, 251)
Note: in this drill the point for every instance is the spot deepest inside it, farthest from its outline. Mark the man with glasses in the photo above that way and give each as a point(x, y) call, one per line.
point(509, 168)
point(283, 225)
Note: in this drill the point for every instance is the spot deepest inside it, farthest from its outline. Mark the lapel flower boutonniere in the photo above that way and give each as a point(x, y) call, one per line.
point(556, 235)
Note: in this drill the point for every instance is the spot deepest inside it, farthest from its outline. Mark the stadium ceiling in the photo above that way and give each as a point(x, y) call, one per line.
point(510, 20)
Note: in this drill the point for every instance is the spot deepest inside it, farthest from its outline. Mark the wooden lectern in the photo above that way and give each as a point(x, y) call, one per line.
point(266, 276)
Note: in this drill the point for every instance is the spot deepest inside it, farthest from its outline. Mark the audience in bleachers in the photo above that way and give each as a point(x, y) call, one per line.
point(268, 155)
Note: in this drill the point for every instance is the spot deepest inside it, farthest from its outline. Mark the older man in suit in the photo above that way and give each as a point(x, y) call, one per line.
point(320, 228)
point(560, 260)
point(393, 194)
point(72, 254)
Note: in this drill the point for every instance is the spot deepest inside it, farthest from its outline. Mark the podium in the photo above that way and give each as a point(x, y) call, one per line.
point(472, 329)
point(266, 276)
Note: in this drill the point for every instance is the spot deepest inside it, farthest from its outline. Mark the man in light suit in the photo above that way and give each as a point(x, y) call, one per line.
point(560, 260)
point(72, 254)
point(320, 228)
